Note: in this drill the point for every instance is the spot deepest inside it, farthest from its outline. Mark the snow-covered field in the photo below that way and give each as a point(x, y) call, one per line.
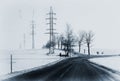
point(111, 62)
point(25, 59)
point(95, 50)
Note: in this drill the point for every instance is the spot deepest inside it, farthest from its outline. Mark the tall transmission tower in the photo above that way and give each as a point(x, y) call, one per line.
point(51, 29)
point(33, 32)
point(24, 40)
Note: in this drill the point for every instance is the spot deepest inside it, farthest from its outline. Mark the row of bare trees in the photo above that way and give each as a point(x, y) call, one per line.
point(85, 38)
point(68, 40)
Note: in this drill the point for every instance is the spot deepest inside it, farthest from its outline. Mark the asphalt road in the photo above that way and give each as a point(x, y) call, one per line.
point(71, 69)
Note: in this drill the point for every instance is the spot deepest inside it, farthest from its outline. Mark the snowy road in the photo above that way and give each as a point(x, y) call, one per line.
point(71, 69)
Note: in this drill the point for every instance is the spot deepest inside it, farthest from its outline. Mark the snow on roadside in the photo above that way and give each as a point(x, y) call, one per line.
point(95, 50)
point(26, 59)
point(3, 77)
point(110, 62)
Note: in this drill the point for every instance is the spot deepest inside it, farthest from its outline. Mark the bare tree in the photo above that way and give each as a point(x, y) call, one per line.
point(61, 38)
point(88, 40)
point(50, 44)
point(81, 39)
point(69, 40)
point(58, 41)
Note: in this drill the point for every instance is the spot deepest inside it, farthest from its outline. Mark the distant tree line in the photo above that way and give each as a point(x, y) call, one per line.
point(68, 40)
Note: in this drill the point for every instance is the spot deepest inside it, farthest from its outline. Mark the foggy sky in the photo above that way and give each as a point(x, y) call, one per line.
point(100, 16)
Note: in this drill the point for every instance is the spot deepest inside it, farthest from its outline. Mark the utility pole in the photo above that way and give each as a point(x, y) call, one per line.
point(11, 64)
point(51, 29)
point(24, 40)
point(33, 32)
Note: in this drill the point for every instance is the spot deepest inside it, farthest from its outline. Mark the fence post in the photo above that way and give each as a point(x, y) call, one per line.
point(84, 51)
point(11, 63)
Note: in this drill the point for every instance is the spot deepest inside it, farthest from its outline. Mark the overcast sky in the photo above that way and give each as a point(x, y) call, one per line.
point(100, 16)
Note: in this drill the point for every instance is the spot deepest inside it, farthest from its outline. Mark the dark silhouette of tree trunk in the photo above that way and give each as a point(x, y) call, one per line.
point(88, 49)
point(79, 47)
point(81, 39)
point(88, 40)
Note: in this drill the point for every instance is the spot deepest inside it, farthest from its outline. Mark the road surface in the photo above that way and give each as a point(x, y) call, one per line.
point(70, 69)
